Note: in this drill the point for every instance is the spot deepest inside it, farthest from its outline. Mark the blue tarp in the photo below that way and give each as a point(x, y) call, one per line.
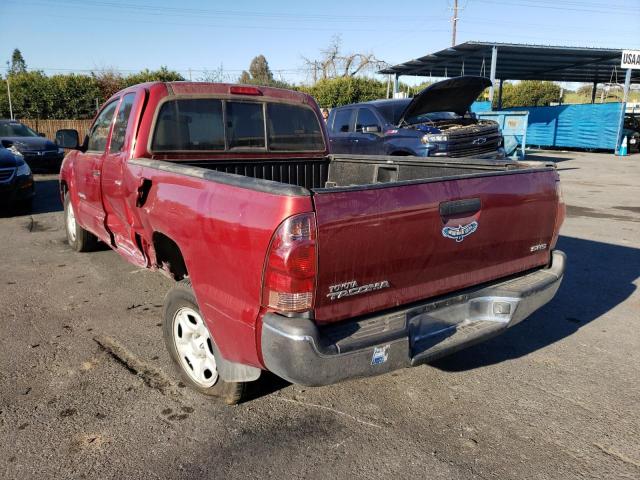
point(477, 107)
point(513, 126)
point(574, 126)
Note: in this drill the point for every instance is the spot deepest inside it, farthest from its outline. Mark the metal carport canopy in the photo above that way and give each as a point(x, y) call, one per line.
point(520, 62)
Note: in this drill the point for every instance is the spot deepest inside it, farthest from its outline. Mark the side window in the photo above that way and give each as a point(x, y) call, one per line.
point(122, 120)
point(342, 121)
point(100, 130)
point(245, 125)
point(366, 118)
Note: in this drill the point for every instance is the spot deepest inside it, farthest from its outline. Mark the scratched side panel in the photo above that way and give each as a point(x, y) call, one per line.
point(223, 232)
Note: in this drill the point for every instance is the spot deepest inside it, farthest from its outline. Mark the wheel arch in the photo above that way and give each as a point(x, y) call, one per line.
point(169, 257)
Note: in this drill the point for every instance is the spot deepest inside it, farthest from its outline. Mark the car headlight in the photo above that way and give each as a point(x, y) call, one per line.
point(15, 151)
point(23, 169)
point(434, 138)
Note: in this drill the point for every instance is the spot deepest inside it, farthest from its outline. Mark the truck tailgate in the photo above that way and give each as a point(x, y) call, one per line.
point(385, 245)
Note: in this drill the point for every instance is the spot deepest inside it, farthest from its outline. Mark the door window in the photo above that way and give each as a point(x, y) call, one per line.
point(342, 122)
point(366, 118)
point(120, 125)
point(100, 129)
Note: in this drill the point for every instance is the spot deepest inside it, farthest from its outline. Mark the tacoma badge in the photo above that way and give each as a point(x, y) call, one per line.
point(460, 232)
point(348, 289)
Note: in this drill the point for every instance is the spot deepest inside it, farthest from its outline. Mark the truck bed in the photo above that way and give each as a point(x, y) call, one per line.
point(344, 170)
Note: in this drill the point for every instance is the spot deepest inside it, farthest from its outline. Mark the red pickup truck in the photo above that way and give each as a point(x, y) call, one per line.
point(316, 267)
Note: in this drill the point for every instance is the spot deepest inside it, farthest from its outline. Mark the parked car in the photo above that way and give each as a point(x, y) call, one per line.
point(317, 267)
point(435, 123)
point(631, 130)
point(16, 181)
point(39, 152)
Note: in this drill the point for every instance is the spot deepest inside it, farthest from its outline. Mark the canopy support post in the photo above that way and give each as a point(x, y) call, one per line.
point(492, 75)
point(500, 95)
point(396, 84)
point(625, 97)
point(593, 92)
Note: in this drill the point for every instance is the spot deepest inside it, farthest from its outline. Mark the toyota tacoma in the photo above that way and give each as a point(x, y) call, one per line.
point(316, 267)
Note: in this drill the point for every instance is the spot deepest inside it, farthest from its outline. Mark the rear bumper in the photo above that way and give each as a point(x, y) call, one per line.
point(300, 352)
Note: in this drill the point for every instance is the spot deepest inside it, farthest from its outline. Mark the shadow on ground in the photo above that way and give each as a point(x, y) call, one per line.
point(550, 156)
point(47, 199)
point(599, 277)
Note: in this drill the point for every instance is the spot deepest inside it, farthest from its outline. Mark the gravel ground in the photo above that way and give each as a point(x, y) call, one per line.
point(87, 389)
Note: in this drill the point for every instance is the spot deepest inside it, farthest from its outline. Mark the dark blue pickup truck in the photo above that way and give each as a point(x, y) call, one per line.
point(435, 123)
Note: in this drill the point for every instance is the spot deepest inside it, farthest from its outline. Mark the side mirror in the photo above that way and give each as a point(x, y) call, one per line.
point(371, 129)
point(40, 134)
point(68, 138)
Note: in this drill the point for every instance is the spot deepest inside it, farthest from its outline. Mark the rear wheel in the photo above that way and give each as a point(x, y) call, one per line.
point(79, 239)
point(191, 346)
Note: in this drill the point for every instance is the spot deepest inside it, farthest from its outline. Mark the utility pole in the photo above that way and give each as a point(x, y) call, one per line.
point(9, 94)
point(454, 22)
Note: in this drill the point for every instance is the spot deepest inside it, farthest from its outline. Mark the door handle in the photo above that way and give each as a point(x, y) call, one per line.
point(95, 173)
point(355, 140)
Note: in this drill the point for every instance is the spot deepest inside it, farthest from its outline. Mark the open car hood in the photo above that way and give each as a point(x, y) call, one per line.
point(451, 95)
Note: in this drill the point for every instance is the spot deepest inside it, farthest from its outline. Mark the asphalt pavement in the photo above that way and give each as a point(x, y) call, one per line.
point(87, 389)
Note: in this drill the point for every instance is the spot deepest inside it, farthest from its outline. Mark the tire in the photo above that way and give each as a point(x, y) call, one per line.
point(78, 238)
point(190, 345)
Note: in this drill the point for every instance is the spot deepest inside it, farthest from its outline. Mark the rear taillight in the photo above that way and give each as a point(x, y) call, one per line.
point(290, 271)
point(560, 214)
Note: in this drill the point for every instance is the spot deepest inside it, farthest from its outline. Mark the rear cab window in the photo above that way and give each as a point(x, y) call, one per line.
point(292, 128)
point(205, 124)
point(189, 124)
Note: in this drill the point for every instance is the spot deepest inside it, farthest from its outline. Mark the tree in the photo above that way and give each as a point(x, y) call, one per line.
point(109, 81)
point(74, 96)
point(215, 76)
point(335, 92)
point(163, 74)
point(18, 65)
point(333, 63)
point(529, 93)
point(260, 74)
point(260, 71)
point(31, 96)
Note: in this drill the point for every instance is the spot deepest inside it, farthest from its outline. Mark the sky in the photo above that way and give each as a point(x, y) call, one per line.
point(199, 36)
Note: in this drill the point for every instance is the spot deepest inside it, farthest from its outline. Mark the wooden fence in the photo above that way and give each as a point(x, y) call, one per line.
point(49, 127)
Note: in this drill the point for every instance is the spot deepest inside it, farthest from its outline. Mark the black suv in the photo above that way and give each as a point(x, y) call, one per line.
point(16, 181)
point(435, 123)
point(39, 152)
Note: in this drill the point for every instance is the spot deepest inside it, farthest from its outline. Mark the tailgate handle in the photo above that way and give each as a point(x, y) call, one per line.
point(459, 207)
